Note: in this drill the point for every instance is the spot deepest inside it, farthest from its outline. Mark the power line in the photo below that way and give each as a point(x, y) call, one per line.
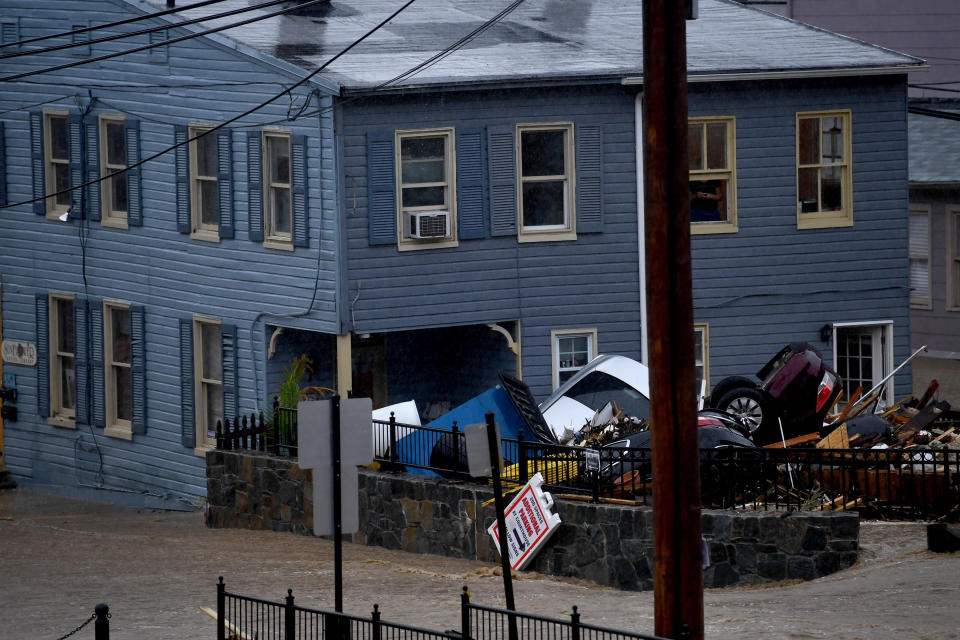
point(934, 113)
point(162, 44)
point(119, 36)
point(110, 24)
point(920, 86)
point(223, 124)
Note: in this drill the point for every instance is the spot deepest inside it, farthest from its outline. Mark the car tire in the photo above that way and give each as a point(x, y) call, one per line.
point(751, 406)
point(726, 385)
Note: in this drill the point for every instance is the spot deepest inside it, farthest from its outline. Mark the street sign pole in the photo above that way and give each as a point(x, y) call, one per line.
point(501, 521)
point(337, 506)
point(678, 574)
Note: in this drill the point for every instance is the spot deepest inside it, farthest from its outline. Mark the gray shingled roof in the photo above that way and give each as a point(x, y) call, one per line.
point(541, 39)
point(934, 147)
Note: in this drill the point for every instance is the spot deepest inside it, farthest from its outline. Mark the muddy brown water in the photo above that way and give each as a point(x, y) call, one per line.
point(60, 557)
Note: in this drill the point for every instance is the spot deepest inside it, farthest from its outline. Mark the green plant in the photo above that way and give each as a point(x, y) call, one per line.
point(814, 501)
point(290, 388)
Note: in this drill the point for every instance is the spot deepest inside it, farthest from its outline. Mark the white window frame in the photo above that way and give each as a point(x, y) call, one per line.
point(199, 230)
point(60, 416)
point(271, 238)
point(110, 217)
point(546, 233)
point(204, 441)
point(405, 243)
point(704, 356)
point(916, 211)
point(827, 219)
point(953, 258)
point(729, 174)
point(50, 163)
point(555, 336)
point(115, 426)
point(882, 329)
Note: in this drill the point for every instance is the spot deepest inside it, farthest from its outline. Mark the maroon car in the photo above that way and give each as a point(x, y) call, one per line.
point(795, 389)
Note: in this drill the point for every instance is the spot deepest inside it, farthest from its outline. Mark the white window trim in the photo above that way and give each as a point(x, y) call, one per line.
point(567, 231)
point(204, 443)
point(54, 210)
point(827, 219)
point(704, 328)
point(556, 334)
point(729, 174)
point(414, 244)
point(109, 217)
point(282, 242)
point(923, 303)
point(59, 417)
point(886, 326)
point(953, 258)
point(115, 427)
point(199, 231)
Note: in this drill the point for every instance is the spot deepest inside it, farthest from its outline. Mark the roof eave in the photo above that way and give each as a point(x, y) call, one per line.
point(794, 74)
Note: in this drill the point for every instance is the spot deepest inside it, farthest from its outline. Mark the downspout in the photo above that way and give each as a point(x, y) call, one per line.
point(641, 237)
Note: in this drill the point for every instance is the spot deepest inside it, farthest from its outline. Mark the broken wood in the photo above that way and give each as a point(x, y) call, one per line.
point(928, 394)
point(943, 435)
point(846, 410)
point(795, 441)
point(837, 439)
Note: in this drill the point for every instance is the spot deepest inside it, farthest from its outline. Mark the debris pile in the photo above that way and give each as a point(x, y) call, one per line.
point(608, 425)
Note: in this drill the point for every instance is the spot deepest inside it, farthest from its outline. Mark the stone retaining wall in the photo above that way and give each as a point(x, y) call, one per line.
point(607, 544)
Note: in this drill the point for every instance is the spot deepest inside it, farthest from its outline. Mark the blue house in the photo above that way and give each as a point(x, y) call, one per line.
point(459, 194)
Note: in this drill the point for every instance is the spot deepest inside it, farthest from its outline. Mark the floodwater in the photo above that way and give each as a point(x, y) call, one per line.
point(60, 557)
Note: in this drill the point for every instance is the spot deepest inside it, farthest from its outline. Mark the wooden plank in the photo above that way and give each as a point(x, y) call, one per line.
point(846, 410)
point(931, 389)
point(836, 440)
point(794, 442)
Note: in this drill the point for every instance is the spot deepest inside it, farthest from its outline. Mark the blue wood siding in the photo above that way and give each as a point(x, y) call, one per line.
point(592, 282)
point(770, 283)
point(154, 265)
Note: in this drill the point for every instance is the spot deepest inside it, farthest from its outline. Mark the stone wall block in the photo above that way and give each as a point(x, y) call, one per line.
point(772, 566)
point(815, 539)
point(800, 567)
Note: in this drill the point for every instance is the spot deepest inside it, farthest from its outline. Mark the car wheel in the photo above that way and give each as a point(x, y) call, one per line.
point(726, 385)
point(748, 404)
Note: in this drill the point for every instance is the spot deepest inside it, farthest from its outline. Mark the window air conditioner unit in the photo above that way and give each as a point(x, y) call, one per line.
point(429, 224)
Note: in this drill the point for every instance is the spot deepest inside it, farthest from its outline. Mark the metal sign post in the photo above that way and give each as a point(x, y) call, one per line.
point(494, 449)
point(337, 505)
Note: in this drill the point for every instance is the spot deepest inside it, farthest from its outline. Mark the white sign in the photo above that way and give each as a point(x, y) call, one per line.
point(529, 523)
point(16, 352)
point(592, 459)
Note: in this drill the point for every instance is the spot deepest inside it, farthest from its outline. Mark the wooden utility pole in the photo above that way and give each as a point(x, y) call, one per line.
point(678, 574)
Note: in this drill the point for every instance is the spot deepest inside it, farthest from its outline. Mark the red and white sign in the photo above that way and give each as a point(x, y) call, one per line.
point(529, 523)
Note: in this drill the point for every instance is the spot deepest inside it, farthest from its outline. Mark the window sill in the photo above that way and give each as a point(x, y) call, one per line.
point(119, 432)
point(420, 245)
point(205, 236)
point(62, 422)
point(546, 236)
point(114, 223)
point(828, 220)
point(281, 245)
point(705, 228)
point(923, 306)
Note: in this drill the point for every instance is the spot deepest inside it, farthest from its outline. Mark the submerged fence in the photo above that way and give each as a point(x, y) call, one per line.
point(244, 617)
point(276, 434)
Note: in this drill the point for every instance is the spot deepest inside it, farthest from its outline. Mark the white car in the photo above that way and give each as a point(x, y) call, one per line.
point(608, 378)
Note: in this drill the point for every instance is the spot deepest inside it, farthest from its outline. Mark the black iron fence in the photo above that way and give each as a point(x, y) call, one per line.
point(886, 483)
point(276, 434)
point(241, 616)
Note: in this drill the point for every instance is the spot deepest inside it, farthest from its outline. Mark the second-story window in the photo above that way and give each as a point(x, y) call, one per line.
point(278, 214)
point(713, 193)
point(113, 161)
point(425, 178)
point(204, 195)
point(545, 177)
point(57, 161)
point(824, 186)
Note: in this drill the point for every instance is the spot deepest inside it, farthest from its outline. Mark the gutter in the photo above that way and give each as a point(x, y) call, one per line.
point(792, 75)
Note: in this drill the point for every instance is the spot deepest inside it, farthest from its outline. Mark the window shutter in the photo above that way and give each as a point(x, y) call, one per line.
point(471, 184)
point(158, 53)
point(134, 195)
point(255, 185)
point(188, 429)
point(182, 171)
point(225, 182)
point(43, 355)
point(10, 33)
point(3, 166)
point(138, 362)
point(36, 157)
point(298, 186)
point(97, 381)
point(381, 188)
point(81, 362)
point(92, 134)
point(503, 180)
point(228, 340)
point(589, 146)
point(75, 153)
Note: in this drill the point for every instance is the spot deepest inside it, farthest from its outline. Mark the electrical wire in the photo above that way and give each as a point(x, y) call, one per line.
point(920, 86)
point(164, 43)
point(35, 104)
point(118, 23)
point(119, 36)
